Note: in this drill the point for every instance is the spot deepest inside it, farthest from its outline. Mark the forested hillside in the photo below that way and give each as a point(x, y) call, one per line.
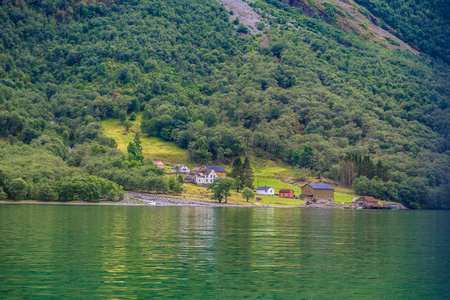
point(425, 25)
point(300, 90)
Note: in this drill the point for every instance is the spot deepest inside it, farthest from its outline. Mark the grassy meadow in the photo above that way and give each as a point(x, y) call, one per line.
point(152, 148)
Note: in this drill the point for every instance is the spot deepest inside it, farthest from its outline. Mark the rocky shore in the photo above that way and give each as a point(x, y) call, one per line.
point(160, 200)
point(140, 199)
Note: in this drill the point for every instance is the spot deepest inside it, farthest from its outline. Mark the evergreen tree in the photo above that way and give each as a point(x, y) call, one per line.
point(247, 177)
point(295, 158)
point(237, 168)
point(122, 116)
point(367, 167)
point(307, 153)
point(134, 152)
point(237, 172)
point(133, 116)
point(238, 184)
point(132, 149)
point(98, 113)
point(381, 171)
point(137, 142)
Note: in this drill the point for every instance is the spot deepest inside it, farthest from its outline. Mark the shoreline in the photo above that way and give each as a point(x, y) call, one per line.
point(150, 200)
point(140, 199)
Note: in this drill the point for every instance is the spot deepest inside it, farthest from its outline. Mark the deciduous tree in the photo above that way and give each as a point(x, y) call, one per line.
point(248, 193)
point(221, 188)
point(18, 189)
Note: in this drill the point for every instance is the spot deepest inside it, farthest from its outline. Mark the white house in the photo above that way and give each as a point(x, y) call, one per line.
point(180, 168)
point(202, 177)
point(205, 176)
point(265, 190)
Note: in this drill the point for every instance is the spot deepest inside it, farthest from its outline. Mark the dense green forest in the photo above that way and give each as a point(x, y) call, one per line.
point(312, 96)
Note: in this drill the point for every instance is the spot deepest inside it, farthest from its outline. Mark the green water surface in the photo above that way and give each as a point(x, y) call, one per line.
point(89, 252)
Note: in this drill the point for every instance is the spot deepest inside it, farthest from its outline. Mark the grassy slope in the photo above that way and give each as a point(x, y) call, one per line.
point(267, 172)
point(151, 147)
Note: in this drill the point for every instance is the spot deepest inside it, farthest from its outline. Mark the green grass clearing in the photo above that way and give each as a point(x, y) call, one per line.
point(152, 148)
point(340, 198)
point(192, 191)
point(277, 184)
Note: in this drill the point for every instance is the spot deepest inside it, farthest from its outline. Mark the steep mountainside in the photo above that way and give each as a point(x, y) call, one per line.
point(349, 17)
point(293, 88)
point(422, 25)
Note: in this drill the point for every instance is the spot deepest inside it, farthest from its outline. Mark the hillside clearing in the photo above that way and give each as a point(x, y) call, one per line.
point(152, 148)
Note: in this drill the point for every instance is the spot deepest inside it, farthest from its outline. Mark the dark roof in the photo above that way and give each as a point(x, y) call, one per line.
point(370, 199)
point(285, 191)
point(215, 168)
point(320, 186)
point(263, 188)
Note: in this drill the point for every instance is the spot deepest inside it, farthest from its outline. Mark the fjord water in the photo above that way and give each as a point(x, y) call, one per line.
point(62, 251)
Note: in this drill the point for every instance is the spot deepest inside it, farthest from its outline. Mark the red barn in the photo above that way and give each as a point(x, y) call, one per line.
point(286, 193)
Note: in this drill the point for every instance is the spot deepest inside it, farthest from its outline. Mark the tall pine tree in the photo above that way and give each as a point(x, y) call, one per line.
point(137, 141)
point(237, 172)
point(247, 174)
point(236, 168)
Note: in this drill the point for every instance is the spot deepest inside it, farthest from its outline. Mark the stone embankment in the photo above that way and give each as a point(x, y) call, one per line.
point(322, 204)
point(160, 200)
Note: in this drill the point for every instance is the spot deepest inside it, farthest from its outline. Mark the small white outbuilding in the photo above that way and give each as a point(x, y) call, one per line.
point(265, 190)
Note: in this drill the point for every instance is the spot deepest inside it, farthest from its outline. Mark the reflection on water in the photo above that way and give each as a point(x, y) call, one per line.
point(195, 252)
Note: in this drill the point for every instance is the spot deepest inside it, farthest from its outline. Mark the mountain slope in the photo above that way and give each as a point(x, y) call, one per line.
point(349, 17)
point(425, 25)
point(298, 84)
point(420, 25)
